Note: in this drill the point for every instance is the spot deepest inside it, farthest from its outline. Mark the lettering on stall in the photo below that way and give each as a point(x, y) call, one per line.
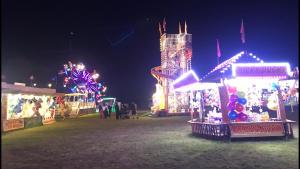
point(257, 129)
point(261, 71)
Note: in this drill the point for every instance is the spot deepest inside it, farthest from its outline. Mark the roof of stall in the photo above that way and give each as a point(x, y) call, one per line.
point(186, 81)
point(223, 70)
point(10, 88)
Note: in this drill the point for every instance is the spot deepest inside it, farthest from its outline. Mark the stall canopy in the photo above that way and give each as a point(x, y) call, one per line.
point(224, 69)
point(10, 88)
point(187, 81)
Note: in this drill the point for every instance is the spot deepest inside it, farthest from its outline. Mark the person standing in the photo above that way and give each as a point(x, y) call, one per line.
point(134, 110)
point(101, 114)
point(117, 109)
point(105, 111)
point(109, 110)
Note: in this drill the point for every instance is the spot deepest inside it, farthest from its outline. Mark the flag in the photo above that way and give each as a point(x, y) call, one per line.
point(218, 49)
point(242, 31)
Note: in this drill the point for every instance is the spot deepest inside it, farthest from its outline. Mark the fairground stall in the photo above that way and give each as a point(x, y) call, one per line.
point(23, 106)
point(79, 104)
point(241, 98)
point(290, 94)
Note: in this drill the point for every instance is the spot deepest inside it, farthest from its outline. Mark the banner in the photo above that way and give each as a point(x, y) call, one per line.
point(259, 129)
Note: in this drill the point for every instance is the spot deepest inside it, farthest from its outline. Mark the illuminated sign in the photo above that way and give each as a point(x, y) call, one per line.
point(13, 124)
point(280, 70)
point(261, 129)
point(23, 106)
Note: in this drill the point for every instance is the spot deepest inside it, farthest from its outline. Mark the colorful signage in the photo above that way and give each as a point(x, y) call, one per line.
point(13, 124)
point(23, 106)
point(281, 70)
point(260, 129)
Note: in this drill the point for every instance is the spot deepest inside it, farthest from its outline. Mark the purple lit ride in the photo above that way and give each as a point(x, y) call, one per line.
point(85, 91)
point(78, 80)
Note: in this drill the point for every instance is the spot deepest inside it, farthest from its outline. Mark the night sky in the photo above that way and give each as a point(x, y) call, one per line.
point(121, 40)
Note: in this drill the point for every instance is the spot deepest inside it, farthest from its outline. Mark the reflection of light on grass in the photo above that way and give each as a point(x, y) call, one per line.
point(154, 141)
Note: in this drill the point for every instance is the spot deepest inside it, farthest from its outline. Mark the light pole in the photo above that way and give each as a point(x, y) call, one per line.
point(31, 79)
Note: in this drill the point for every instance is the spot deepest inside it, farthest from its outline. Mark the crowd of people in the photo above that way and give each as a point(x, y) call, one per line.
point(122, 110)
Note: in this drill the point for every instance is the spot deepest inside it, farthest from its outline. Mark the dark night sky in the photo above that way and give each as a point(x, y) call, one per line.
point(121, 40)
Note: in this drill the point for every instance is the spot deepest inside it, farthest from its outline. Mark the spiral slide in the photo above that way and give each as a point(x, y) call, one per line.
point(157, 73)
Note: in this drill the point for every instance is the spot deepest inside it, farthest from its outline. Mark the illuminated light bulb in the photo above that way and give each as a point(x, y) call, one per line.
point(49, 85)
point(261, 61)
point(95, 76)
point(257, 59)
point(254, 56)
point(34, 84)
point(250, 54)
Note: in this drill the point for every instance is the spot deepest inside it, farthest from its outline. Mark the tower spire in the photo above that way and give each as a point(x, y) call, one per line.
point(179, 28)
point(159, 28)
point(164, 24)
point(185, 27)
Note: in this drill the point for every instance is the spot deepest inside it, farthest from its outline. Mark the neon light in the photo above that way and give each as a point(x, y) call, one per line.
point(261, 77)
point(190, 87)
point(285, 64)
point(185, 75)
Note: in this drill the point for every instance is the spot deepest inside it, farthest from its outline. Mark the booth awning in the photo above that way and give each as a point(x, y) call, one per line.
point(10, 88)
point(186, 81)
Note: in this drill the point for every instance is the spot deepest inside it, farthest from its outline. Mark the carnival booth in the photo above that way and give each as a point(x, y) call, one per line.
point(79, 104)
point(244, 100)
point(290, 94)
point(23, 107)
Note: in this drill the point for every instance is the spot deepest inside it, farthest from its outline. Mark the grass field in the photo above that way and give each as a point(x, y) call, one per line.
point(147, 143)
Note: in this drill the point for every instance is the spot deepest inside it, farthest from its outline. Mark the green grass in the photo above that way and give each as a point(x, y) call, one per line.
point(88, 142)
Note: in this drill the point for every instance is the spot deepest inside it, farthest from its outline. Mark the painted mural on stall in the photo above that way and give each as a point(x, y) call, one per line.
point(25, 106)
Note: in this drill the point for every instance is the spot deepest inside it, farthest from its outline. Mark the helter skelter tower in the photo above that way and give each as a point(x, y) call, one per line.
point(176, 55)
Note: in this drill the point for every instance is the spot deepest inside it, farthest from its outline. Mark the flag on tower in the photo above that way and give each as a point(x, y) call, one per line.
point(242, 31)
point(218, 49)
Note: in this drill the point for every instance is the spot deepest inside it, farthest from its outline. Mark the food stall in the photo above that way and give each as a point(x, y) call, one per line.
point(249, 101)
point(23, 106)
